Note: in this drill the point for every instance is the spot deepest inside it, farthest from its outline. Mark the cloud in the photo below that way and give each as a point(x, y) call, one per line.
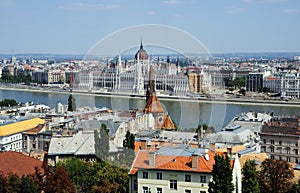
point(7, 3)
point(291, 11)
point(89, 6)
point(236, 10)
point(171, 2)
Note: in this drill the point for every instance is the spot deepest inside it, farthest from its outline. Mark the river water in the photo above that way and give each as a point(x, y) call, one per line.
point(186, 114)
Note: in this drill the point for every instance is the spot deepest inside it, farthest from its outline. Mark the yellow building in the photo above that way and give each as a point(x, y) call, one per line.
point(11, 134)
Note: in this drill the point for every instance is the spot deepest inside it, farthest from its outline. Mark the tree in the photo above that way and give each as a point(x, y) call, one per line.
point(129, 140)
point(53, 180)
point(101, 142)
point(250, 181)
point(27, 185)
point(221, 176)
point(275, 176)
point(8, 103)
point(71, 103)
point(13, 183)
point(295, 188)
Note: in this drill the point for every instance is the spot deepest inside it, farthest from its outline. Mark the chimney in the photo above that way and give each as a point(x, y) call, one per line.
point(206, 156)
point(195, 161)
point(151, 156)
point(143, 144)
point(229, 151)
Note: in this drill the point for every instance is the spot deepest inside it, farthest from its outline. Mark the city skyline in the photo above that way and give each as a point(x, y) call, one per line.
point(74, 27)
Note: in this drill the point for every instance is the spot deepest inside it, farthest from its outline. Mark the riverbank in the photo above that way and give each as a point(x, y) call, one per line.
point(219, 100)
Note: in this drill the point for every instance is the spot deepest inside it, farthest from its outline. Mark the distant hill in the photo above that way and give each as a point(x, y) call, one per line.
point(60, 57)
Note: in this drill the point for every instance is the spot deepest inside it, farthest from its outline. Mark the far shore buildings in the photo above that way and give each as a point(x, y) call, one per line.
point(133, 77)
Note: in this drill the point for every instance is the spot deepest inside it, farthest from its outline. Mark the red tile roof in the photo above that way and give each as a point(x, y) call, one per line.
point(17, 163)
point(168, 123)
point(177, 163)
point(153, 105)
point(271, 78)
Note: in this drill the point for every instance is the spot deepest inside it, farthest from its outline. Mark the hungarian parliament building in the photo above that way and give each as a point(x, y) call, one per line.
point(133, 78)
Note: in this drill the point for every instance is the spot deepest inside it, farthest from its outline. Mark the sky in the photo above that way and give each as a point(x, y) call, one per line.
point(75, 26)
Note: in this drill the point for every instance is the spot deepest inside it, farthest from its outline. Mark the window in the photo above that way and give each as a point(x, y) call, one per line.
point(296, 160)
point(173, 184)
point(187, 177)
point(264, 141)
point(202, 179)
point(187, 191)
point(288, 151)
point(145, 189)
point(135, 185)
point(158, 190)
point(272, 149)
point(288, 143)
point(280, 142)
point(272, 157)
point(296, 144)
point(272, 141)
point(296, 151)
point(159, 176)
point(288, 159)
point(263, 149)
point(145, 175)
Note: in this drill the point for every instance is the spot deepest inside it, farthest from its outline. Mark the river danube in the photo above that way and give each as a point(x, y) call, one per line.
point(186, 114)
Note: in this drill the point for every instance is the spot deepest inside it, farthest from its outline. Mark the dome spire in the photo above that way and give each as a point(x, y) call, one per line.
point(141, 47)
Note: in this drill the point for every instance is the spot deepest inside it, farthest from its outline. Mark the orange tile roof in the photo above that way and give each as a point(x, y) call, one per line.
point(168, 123)
point(271, 78)
point(153, 105)
point(17, 163)
point(137, 145)
point(176, 163)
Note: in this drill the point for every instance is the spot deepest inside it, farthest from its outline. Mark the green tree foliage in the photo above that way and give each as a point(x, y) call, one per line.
point(221, 176)
point(295, 188)
point(96, 177)
point(250, 181)
point(27, 185)
point(2, 182)
point(236, 83)
point(81, 173)
point(6, 77)
point(129, 140)
point(275, 176)
point(71, 103)
point(126, 158)
point(20, 78)
point(12, 183)
point(8, 103)
point(101, 142)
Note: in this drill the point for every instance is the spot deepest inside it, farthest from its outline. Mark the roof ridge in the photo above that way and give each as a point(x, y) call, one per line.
point(82, 144)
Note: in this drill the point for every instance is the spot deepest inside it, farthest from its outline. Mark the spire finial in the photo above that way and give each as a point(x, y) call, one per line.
point(141, 47)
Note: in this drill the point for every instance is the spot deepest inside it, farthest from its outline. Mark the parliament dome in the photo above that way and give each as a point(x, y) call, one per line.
point(141, 53)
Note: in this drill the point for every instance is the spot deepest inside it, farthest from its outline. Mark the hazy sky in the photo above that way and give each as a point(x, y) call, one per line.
point(74, 26)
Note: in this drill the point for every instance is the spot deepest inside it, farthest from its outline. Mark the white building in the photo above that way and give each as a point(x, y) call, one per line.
point(290, 85)
point(11, 134)
point(134, 77)
point(175, 169)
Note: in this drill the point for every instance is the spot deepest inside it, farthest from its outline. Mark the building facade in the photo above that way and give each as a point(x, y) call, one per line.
point(281, 138)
